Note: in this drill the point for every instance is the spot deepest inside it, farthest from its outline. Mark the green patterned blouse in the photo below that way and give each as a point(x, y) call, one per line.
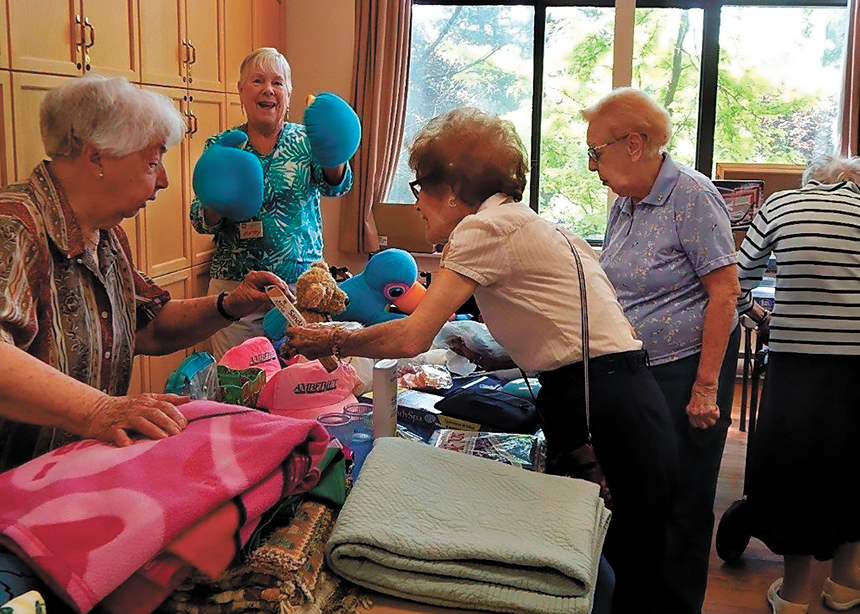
point(290, 215)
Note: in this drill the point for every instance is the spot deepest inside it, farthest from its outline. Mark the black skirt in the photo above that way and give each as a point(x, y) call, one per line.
point(803, 483)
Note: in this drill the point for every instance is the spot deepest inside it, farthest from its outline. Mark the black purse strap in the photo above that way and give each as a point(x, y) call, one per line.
point(584, 313)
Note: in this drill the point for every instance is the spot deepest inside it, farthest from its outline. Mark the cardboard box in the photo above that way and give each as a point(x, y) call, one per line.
point(401, 226)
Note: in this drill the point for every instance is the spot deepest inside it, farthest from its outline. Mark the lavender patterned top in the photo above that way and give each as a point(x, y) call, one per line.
point(656, 252)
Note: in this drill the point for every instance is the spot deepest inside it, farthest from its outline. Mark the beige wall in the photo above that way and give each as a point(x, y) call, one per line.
point(319, 46)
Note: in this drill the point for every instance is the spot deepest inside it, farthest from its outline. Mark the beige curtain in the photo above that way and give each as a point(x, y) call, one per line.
point(849, 110)
point(383, 30)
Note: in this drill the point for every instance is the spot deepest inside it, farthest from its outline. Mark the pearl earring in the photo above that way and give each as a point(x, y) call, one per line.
point(101, 174)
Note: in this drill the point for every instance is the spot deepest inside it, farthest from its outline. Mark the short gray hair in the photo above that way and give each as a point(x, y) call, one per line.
point(832, 169)
point(267, 58)
point(117, 117)
point(627, 109)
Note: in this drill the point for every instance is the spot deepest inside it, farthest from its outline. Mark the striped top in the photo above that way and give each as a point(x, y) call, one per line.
point(814, 233)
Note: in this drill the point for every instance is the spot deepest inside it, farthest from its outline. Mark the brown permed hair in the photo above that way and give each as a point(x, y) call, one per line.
point(472, 152)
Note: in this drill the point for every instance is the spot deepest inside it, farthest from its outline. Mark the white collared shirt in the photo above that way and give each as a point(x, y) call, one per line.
point(528, 287)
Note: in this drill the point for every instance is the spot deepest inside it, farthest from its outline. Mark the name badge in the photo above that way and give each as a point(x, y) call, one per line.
point(251, 230)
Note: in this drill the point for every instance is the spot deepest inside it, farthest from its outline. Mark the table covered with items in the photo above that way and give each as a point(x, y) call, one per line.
point(255, 507)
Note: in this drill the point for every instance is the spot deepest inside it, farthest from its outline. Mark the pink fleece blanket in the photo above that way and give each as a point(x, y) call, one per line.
point(95, 520)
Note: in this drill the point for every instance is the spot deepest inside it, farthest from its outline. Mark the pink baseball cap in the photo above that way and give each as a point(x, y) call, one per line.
point(255, 352)
point(306, 390)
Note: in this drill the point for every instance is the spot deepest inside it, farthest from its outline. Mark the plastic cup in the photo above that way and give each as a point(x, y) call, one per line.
point(338, 425)
point(361, 415)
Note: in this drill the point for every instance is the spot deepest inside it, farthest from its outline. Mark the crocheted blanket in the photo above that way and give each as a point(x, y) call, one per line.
point(449, 529)
point(286, 574)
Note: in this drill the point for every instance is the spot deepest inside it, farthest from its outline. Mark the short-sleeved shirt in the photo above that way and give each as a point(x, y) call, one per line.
point(656, 252)
point(528, 286)
point(292, 222)
point(61, 306)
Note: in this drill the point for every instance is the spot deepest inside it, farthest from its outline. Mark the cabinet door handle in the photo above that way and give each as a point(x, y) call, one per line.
point(80, 43)
point(92, 30)
point(193, 122)
point(193, 59)
point(187, 52)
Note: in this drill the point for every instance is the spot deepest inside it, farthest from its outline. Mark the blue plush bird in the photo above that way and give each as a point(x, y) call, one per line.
point(333, 128)
point(229, 180)
point(388, 276)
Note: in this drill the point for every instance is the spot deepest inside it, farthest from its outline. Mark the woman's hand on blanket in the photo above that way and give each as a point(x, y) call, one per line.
point(152, 415)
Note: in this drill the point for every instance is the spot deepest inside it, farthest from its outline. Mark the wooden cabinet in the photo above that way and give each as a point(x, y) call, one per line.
point(4, 40)
point(209, 112)
point(184, 49)
point(7, 151)
point(200, 287)
point(182, 43)
point(250, 24)
point(235, 112)
point(171, 242)
point(72, 37)
point(158, 368)
point(112, 45)
point(28, 90)
point(167, 234)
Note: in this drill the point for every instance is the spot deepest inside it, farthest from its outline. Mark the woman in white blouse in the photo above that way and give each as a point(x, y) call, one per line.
point(470, 175)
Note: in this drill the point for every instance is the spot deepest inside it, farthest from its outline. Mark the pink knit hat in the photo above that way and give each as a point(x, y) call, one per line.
point(255, 352)
point(306, 390)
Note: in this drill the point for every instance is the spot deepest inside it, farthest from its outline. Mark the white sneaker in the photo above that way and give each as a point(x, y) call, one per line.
point(838, 597)
point(780, 605)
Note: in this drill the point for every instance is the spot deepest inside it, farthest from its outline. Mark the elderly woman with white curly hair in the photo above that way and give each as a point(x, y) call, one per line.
point(74, 311)
point(803, 486)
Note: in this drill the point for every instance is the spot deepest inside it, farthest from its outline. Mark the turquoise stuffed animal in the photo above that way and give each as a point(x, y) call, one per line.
point(388, 278)
point(229, 180)
point(333, 128)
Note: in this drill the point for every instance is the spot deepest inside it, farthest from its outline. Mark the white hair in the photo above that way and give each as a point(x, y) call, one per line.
point(115, 116)
point(833, 169)
point(270, 59)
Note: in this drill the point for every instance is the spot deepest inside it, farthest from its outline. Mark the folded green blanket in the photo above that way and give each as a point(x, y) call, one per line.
point(449, 529)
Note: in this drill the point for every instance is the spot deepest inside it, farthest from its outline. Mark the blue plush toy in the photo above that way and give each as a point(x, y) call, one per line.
point(388, 277)
point(229, 180)
point(333, 129)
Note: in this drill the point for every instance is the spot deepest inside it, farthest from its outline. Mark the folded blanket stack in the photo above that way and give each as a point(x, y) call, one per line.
point(444, 528)
point(285, 574)
point(121, 527)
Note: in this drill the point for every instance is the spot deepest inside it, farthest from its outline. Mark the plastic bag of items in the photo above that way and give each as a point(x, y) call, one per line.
point(526, 451)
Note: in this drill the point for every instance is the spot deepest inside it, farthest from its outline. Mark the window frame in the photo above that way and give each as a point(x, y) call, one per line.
point(707, 77)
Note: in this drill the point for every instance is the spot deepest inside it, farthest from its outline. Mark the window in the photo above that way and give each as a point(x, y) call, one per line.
point(751, 83)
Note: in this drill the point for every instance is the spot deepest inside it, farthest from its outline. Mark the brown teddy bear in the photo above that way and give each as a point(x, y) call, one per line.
point(317, 294)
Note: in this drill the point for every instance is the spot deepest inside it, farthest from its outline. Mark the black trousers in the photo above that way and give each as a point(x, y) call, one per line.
point(635, 444)
point(691, 523)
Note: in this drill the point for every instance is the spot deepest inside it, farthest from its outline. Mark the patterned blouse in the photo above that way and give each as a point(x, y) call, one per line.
point(656, 252)
point(290, 215)
point(61, 306)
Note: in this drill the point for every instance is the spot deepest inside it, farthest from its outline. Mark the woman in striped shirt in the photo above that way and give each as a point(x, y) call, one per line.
point(803, 486)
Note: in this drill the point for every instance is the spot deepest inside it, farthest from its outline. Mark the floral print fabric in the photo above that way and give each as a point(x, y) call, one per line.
point(60, 305)
point(290, 214)
point(656, 252)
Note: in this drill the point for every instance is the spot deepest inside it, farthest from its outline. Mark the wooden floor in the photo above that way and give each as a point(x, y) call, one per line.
point(742, 586)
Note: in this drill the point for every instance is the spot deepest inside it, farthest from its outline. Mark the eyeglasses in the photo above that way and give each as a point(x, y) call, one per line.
point(594, 152)
point(415, 185)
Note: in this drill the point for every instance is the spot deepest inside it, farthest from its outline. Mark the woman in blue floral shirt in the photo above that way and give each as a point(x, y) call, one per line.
point(670, 254)
point(285, 237)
